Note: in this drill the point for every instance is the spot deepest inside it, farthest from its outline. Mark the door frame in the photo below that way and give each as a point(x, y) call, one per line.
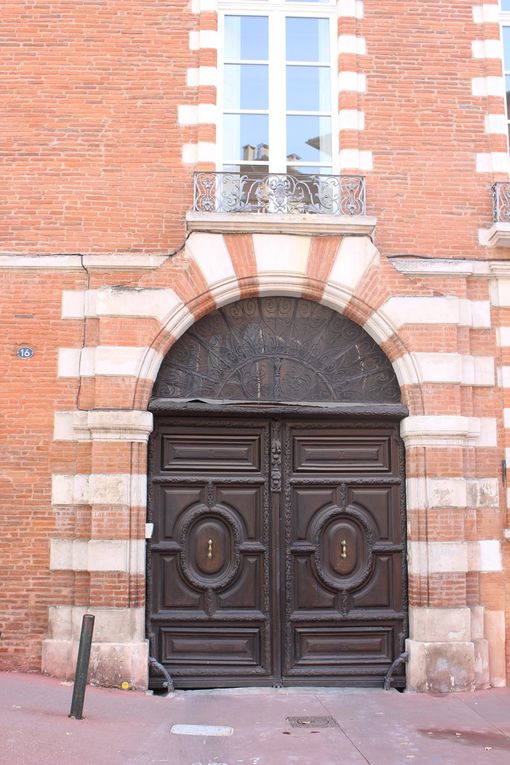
point(356, 415)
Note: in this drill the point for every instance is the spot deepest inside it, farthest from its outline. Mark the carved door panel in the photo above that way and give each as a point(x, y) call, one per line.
point(278, 551)
point(344, 614)
point(210, 608)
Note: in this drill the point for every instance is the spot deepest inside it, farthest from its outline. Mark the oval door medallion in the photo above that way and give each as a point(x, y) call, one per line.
point(209, 539)
point(209, 544)
point(342, 550)
point(343, 545)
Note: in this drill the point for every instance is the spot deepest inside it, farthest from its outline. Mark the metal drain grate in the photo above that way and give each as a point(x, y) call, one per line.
point(313, 722)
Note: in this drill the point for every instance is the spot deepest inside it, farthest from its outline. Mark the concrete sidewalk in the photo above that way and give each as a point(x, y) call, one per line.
point(369, 726)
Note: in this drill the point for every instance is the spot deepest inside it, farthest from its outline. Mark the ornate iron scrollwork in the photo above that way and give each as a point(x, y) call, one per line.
point(501, 202)
point(278, 193)
point(277, 349)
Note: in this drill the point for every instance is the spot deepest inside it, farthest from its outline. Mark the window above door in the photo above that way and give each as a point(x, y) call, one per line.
point(277, 87)
point(277, 134)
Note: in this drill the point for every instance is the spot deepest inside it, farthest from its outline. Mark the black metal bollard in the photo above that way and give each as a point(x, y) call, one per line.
point(82, 667)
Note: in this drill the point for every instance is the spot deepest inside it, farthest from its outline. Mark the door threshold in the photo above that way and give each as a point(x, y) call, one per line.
point(286, 690)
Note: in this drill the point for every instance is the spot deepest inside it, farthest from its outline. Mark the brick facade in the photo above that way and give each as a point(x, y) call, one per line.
point(101, 273)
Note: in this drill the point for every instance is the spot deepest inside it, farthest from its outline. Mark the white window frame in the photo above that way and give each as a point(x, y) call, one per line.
point(504, 21)
point(278, 10)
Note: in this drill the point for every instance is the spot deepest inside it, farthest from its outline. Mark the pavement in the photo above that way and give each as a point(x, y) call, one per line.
point(250, 726)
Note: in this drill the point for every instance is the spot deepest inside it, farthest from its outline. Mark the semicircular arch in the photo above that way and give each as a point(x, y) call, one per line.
point(272, 349)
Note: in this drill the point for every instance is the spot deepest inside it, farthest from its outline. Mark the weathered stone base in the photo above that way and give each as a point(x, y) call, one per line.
point(447, 650)
point(440, 667)
point(119, 650)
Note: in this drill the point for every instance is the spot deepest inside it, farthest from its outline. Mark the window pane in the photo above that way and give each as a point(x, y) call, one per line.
point(506, 46)
point(307, 39)
point(507, 80)
point(251, 170)
point(308, 88)
point(245, 86)
point(309, 170)
point(505, 5)
point(245, 137)
point(246, 38)
point(309, 138)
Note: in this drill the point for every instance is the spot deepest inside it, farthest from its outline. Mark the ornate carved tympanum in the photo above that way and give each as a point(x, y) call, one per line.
point(277, 349)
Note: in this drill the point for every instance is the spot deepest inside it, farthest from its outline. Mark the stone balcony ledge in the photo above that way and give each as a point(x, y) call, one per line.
point(301, 224)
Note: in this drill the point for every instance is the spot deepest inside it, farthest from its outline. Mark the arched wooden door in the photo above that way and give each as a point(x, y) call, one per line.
point(278, 553)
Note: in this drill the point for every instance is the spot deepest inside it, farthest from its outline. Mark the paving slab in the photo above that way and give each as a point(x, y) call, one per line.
point(133, 728)
point(420, 728)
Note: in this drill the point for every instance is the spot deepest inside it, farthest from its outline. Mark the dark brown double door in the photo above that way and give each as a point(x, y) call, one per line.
point(278, 551)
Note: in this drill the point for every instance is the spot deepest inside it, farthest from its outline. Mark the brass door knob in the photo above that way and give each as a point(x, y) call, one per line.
point(209, 549)
point(343, 549)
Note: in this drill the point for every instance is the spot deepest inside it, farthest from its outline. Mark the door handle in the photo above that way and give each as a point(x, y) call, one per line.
point(343, 549)
point(209, 549)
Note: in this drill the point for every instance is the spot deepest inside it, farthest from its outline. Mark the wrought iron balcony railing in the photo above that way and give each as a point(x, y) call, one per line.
point(279, 193)
point(501, 202)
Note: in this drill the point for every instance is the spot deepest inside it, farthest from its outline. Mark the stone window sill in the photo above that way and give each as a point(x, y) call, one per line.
point(300, 224)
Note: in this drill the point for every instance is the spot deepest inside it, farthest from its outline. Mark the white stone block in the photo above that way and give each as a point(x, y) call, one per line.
point(492, 162)
point(202, 75)
point(436, 492)
point(98, 488)
point(351, 119)
point(352, 44)
point(486, 13)
point(424, 310)
point(496, 124)
point(42, 262)
point(68, 364)
point(119, 425)
point(281, 253)
point(203, 151)
point(210, 253)
point(354, 158)
point(350, 9)
point(405, 367)
point(73, 304)
point(475, 313)
point(197, 114)
point(440, 667)
point(487, 49)
point(69, 489)
point(504, 373)
point(111, 624)
point(440, 624)
point(439, 367)
point(355, 256)
point(201, 6)
point(203, 38)
point(63, 425)
point(500, 292)
point(119, 360)
point(482, 492)
point(485, 555)
point(425, 558)
point(488, 86)
point(503, 336)
point(494, 623)
point(477, 370)
point(449, 430)
point(352, 81)
point(488, 432)
point(109, 555)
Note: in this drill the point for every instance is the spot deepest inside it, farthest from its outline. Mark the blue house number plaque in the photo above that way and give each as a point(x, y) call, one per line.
point(25, 352)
